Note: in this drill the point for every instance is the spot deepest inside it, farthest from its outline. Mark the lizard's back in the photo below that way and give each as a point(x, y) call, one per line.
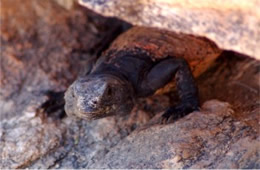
point(200, 53)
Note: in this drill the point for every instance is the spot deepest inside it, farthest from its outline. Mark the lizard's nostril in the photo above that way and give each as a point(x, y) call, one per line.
point(93, 103)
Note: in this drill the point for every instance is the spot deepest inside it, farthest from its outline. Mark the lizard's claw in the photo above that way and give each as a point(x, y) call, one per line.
point(174, 113)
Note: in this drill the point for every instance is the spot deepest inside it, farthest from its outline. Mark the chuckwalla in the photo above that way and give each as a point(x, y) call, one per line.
point(137, 64)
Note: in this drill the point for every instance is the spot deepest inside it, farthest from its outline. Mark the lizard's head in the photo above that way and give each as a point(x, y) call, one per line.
point(97, 96)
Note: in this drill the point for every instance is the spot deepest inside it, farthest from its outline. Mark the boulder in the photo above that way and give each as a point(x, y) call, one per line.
point(232, 25)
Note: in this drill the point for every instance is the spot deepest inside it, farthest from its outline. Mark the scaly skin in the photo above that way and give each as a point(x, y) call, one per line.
point(140, 62)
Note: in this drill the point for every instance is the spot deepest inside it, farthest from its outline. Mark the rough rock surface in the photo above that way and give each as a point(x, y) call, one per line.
point(207, 139)
point(25, 138)
point(232, 25)
point(43, 47)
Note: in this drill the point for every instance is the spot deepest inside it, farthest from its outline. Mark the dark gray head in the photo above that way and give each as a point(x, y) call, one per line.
point(97, 96)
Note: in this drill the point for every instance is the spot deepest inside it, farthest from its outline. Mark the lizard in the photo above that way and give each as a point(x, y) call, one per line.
point(139, 63)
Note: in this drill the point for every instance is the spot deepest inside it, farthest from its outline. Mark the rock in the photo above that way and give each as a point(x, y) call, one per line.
point(26, 138)
point(85, 143)
point(232, 25)
point(43, 47)
point(207, 139)
point(67, 4)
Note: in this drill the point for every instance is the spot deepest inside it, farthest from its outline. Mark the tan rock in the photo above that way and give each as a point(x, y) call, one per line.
point(232, 25)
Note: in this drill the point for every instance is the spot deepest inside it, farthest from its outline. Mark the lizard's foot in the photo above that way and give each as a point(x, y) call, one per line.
point(176, 112)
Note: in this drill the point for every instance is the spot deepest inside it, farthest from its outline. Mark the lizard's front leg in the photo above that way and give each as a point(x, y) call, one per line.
point(161, 74)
